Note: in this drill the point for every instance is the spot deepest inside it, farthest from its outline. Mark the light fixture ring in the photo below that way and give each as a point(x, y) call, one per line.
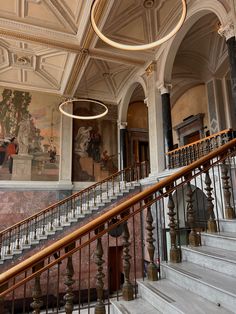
point(83, 117)
point(136, 47)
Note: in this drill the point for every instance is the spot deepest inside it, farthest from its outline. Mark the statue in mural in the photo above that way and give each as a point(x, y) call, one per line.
point(23, 136)
point(82, 140)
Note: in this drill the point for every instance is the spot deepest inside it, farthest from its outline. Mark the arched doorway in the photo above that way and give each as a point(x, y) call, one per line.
point(137, 142)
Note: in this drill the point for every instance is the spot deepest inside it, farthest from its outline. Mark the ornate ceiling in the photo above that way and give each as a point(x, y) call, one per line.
point(49, 45)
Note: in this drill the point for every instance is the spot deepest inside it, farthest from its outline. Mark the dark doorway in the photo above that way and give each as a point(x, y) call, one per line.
point(116, 277)
point(143, 151)
point(193, 137)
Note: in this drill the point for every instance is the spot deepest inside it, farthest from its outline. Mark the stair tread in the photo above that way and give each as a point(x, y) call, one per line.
point(227, 235)
point(207, 276)
point(214, 252)
point(179, 298)
point(137, 306)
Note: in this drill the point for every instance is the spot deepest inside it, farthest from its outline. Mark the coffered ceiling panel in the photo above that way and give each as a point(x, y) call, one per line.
point(33, 66)
point(43, 13)
point(104, 78)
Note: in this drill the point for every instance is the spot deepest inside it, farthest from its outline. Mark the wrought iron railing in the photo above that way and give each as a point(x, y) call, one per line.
point(108, 255)
point(187, 154)
point(45, 222)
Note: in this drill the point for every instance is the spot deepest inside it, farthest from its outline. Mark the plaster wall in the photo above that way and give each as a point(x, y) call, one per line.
point(192, 102)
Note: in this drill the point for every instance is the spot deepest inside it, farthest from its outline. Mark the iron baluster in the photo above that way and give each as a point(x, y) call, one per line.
point(152, 268)
point(194, 238)
point(69, 296)
point(127, 290)
point(175, 253)
point(100, 306)
point(229, 211)
point(211, 223)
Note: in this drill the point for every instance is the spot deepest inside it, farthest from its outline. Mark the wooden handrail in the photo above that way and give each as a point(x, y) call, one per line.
point(47, 209)
point(33, 260)
point(200, 141)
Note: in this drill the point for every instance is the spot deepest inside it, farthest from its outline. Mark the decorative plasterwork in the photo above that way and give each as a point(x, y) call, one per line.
point(227, 31)
point(33, 66)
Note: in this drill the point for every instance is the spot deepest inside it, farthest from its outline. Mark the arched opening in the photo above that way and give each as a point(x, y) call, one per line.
point(137, 128)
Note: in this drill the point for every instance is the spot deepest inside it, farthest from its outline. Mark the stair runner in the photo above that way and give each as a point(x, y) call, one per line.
point(204, 282)
point(74, 215)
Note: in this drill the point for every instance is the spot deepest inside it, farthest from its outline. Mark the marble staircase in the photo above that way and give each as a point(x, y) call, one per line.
point(15, 247)
point(204, 282)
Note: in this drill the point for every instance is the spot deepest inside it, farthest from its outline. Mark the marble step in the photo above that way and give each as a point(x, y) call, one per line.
point(168, 298)
point(217, 259)
point(137, 306)
point(215, 287)
point(227, 225)
point(220, 240)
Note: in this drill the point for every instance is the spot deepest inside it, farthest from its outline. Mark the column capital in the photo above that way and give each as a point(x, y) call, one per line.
point(150, 68)
point(164, 88)
point(122, 124)
point(227, 30)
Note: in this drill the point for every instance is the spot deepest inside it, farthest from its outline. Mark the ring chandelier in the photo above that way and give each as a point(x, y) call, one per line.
point(136, 47)
point(83, 117)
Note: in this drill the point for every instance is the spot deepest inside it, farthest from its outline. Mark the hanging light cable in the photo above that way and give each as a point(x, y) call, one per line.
point(136, 47)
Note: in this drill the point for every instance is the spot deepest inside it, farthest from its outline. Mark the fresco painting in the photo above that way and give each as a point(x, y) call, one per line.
point(29, 127)
point(94, 144)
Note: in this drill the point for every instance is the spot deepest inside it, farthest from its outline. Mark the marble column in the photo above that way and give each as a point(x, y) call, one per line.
point(66, 148)
point(228, 32)
point(166, 116)
point(155, 121)
point(123, 151)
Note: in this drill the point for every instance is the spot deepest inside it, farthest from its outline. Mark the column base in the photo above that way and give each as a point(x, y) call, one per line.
point(100, 309)
point(211, 226)
point(175, 255)
point(152, 272)
point(194, 239)
point(229, 213)
point(127, 292)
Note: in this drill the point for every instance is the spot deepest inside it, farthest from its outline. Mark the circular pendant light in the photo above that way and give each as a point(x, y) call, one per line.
point(136, 47)
point(61, 108)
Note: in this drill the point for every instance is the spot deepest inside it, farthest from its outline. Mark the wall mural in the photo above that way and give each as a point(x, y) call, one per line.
point(94, 144)
point(29, 135)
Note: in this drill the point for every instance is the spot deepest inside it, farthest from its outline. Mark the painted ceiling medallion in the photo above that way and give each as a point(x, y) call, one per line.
point(137, 47)
point(22, 60)
point(148, 4)
point(92, 101)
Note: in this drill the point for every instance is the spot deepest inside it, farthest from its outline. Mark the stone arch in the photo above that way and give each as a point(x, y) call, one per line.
point(124, 104)
point(195, 12)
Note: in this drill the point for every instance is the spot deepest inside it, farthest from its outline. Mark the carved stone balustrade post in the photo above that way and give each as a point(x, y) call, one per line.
point(152, 268)
point(194, 238)
point(211, 223)
point(229, 211)
point(37, 293)
point(100, 306)
point(127, 290)
point(69, 296)
point(175, 253)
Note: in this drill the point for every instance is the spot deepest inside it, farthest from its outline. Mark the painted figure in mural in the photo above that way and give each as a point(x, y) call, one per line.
point(82, 140)
point(11, 150)
point(94, 146)
point(23, 136)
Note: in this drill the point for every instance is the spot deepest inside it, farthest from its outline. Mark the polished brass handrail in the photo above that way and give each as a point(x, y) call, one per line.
point(167, 183)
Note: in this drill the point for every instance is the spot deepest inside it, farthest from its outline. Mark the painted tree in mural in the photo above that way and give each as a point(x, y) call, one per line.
point(13, 108)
